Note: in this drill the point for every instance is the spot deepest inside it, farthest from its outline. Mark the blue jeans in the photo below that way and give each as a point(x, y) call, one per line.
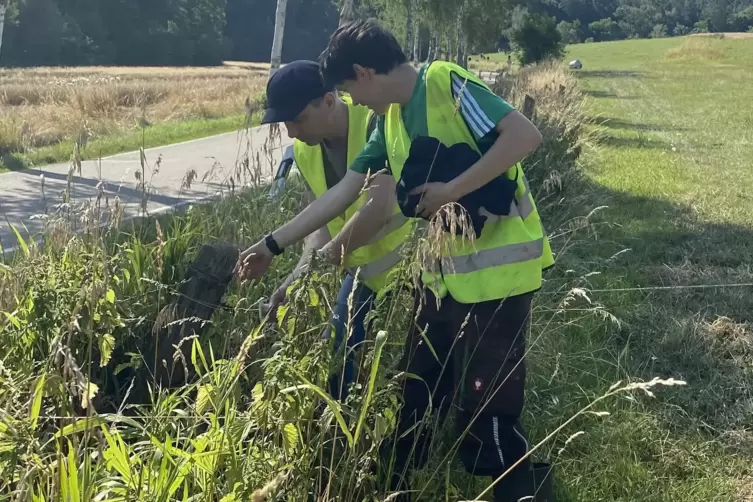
point(363, 302)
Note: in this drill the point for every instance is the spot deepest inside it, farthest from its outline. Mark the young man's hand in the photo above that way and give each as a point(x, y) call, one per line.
point(433, 197)
point(253, 262)
point(279, 297)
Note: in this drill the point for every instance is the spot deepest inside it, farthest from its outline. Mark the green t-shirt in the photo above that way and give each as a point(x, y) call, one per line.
point(480, 108)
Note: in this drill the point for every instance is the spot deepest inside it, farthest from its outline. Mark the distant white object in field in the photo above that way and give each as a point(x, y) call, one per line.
point(575, 64)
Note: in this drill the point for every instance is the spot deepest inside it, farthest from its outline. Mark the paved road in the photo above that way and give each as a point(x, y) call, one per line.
point(24, 195)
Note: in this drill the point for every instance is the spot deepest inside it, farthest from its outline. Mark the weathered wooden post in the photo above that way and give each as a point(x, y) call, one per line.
point(529, 107)
point(198, 296)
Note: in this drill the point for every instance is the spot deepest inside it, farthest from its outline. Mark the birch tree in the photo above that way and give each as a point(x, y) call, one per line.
point(276, 58)
point(408, 45)
point(460, 52)
point(347, 12)
point(417, 40)
point(3, 9)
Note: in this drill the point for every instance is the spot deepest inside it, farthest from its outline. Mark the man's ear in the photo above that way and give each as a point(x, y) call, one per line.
point(361, 72)
point(330, 98)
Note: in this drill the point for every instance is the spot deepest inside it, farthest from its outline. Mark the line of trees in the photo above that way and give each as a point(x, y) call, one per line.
point(206, 32)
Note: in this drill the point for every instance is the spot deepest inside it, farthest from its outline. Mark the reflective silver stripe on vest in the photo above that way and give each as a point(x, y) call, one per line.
point(394, 223)
point(496, 257)
point(378, 266)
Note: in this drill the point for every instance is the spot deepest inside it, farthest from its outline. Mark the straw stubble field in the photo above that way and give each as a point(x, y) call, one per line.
point(43, 111)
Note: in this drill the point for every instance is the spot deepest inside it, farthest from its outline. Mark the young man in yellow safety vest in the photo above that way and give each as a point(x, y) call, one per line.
point(329, 132)
point(486, 291)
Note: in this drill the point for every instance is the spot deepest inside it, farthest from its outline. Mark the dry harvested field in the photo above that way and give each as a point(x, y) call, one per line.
point(724, 35)
point(40, 107)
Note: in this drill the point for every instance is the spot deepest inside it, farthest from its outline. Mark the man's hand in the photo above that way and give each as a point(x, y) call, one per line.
point(253, 262)
point(331, 253)
point(433, 197)
point(279, 297)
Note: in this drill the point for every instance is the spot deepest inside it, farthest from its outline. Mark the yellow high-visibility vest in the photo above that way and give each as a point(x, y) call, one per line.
point(374, 261)
point(508, 258)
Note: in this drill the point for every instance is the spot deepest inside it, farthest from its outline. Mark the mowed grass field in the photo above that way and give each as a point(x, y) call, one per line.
point(44, 111)
point(667, 172)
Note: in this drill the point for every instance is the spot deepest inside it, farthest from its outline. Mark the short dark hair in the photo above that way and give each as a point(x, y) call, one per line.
point(359, 42)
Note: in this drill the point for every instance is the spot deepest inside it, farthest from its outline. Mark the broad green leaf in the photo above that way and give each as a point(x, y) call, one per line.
point(290, 437)
point(36, 401)
point(106, 345)
point(80, 426)
point(116, 456)
point(314, 297)
point(90, 390)
point(13, 319)
point(21, 241)
point(333, 405)
point(380, 429)
point(73, 492)
point(380, 341)
point(203, 398)
point(282, 311)
point(110, 296)
point(257, 394)
point(197, 350)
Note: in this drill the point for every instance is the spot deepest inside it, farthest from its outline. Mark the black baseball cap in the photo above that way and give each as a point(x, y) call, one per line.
point(291, 89)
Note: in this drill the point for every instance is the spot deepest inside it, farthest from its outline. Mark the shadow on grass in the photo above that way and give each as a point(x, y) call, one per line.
point(607, 95)
point(639, 141)
point(616, 123)
point(612, 73)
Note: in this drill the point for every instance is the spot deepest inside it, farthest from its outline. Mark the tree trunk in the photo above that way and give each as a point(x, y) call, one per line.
point(408, 27)
point(3, 8)
point(416, 40)
point(347, 12)
point(430, 53)
point(446, 45)
point(282, 6)
point(459, 54)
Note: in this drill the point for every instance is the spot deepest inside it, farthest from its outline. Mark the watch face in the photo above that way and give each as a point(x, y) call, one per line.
point(272, 245)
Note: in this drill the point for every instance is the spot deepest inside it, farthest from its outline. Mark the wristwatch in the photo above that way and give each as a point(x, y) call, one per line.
point(271, 244)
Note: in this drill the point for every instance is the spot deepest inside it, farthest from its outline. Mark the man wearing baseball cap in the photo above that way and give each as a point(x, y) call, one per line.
point(329, 132)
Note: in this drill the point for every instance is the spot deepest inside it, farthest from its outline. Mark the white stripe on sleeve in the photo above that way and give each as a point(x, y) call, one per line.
point(470, 109)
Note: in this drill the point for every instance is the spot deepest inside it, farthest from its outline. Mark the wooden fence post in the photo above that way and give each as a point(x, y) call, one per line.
point(529, 107)
point(198, 296)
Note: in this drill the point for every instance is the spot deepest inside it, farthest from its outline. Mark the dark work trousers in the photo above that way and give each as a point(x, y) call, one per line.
point(469, 358)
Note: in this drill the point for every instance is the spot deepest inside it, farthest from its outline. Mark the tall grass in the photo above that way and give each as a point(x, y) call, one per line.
point(81, 418)
point(700, 48)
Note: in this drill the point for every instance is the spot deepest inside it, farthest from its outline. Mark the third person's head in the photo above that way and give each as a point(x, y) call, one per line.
point(298, 97)
point(358, 59)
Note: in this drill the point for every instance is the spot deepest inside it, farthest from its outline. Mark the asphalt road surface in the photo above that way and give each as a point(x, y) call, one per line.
point(209, 163)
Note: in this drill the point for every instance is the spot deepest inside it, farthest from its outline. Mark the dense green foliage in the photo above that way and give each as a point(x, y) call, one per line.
point(536, 36)
point(201, 32)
